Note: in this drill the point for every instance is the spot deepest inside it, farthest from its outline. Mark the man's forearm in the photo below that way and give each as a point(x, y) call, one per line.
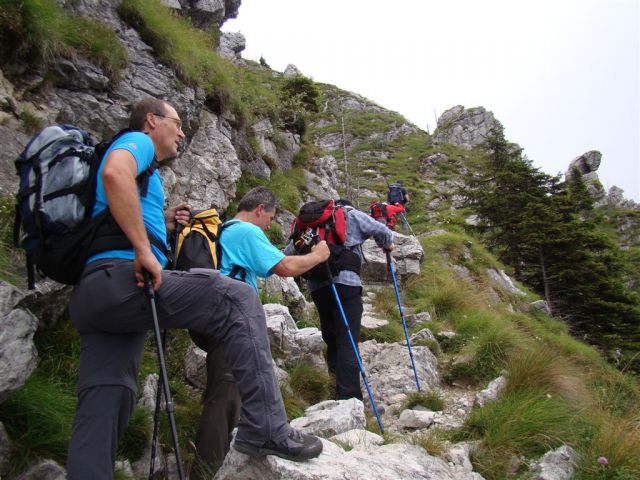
point(294, 265)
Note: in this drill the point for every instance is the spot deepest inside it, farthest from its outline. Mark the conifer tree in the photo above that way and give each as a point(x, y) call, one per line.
point(546, 230)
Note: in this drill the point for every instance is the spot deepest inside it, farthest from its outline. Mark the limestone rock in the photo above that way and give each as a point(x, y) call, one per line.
point(502, 280)
point(208, 171)
point(407, 258)
point(586, 166)
point(558, 464)
point(358, 439)
point(291, 71)
point(5, 451)
point(414, 419)
point(292, 297)
point(17, 351)
point(321, 178)
point(541, 305)
point(415, 319)
point(331, 417)
point(195, 367)
point(465, 128)
point(44, 470)
point(388, 368)
point(231, 46)
point(386, 462)
point(492, 392)
point(49, 301)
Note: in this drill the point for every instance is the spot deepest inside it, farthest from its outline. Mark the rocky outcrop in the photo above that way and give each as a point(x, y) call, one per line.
point(231, 46)
point(558, 464)
point(44, 470)
point(17, 351)
point(388, 368)
point(406, 258)
point(386, 462)
point(5, 451)
point(465, 128)
point(586, 166)
point(331, 417)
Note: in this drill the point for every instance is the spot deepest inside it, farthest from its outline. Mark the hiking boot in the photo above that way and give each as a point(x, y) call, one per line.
point(297, 447)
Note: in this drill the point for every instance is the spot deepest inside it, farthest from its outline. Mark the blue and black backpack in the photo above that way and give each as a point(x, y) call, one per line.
point(56, 195)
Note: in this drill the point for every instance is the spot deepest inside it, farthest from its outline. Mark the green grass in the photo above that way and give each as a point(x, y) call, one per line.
point(521, 423)
point(40, 31)
point(38, 420)
point(310, 383)
point(188, 50)
point(431, 400)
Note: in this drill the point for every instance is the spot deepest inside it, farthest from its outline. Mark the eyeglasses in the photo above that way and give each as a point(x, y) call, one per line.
point(177, 121)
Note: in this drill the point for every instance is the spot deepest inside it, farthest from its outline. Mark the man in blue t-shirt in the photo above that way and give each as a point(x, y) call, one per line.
point(109, 309)
point(247, 254)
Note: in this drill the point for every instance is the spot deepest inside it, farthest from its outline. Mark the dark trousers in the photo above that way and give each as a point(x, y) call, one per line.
point(113, 316)
point(341, 358)
point(220, 409)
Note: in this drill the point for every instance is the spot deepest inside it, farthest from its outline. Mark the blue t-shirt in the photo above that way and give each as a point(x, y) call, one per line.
point(141, 147)
point(245, 245)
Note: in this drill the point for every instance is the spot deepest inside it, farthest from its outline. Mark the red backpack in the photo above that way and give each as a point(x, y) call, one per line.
point(324, 220)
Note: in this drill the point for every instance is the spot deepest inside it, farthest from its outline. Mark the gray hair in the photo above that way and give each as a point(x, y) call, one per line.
point(257, 196)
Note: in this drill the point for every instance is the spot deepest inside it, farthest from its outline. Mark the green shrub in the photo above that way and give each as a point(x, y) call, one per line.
point(31, 123)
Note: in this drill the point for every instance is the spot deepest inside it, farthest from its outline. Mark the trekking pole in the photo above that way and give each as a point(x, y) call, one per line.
point(355, 348)
point(156, 417)
point(405, 222)
point(404, 323)
point(163, 373)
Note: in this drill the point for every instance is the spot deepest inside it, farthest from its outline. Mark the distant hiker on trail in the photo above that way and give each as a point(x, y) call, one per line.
point(386, 213)
point(397, 193)
point(109, 309)
point(347, 229)
point(246, 254)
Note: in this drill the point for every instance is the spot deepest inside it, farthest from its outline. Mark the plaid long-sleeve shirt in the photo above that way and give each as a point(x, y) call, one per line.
point(360, 227)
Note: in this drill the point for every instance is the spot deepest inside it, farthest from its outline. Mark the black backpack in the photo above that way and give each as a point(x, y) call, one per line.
point(395, 194)
point(56, 195)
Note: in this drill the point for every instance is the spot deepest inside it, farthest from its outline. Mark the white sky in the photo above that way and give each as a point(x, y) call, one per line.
point(561, 75)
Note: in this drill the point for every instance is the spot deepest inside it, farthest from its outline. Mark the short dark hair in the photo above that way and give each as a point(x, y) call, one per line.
point(139, 112)
point(257, 196)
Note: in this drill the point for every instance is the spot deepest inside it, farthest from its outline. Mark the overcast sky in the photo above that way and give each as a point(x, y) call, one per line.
point(561, 75)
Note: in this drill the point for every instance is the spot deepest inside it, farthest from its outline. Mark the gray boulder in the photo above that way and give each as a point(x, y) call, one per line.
point(389, 371)
point(406, 258)
point(492, 392)
point(44, 470)
point(231, 46)
point(5, 451)
point(17, 351)
point(386, 462)
point(465, 128)
point(558, 464)
point(331, 417)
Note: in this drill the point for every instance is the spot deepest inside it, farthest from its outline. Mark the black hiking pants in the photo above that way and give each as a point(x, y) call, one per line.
point(220, 409)
point(341, 358)
point(113, 316)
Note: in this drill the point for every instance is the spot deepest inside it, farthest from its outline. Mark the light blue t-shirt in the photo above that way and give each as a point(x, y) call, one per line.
point(141, 147)
point(245, 245)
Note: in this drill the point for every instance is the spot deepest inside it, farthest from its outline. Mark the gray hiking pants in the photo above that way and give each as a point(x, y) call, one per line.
point(112, 316)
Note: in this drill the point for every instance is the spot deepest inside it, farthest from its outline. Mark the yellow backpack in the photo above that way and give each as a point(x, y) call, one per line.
point(196, 245)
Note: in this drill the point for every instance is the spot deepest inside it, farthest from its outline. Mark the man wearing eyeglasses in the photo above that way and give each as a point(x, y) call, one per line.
point(110, 312)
